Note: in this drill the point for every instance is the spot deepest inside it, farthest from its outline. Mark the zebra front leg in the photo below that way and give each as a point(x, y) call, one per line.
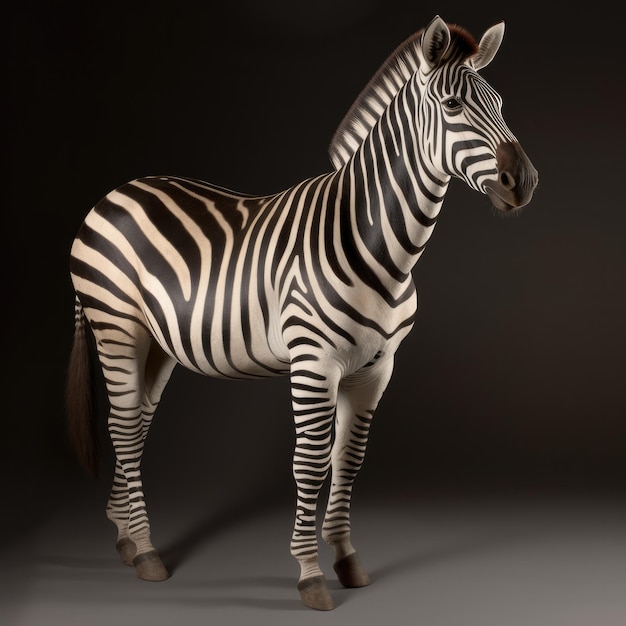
point(314, 410)
point(357, 399)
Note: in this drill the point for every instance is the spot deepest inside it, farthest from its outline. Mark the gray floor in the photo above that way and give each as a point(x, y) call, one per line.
point(433, 561)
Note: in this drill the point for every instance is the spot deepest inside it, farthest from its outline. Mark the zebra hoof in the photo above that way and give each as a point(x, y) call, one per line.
point(314, 593)
point(127, 550)
point(350, 571)
point(150, 567)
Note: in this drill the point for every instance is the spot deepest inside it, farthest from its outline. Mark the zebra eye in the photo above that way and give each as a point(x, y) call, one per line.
point(452, 104)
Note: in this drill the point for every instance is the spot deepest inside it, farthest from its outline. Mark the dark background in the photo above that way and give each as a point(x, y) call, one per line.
point(512, 379)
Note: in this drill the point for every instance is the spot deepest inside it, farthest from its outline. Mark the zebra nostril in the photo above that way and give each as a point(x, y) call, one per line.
point(506, 180)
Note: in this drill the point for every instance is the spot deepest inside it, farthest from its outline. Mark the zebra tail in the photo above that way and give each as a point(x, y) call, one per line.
point(81, 416)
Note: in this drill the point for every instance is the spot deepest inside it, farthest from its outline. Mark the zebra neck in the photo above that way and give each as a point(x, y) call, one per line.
point(394, 198)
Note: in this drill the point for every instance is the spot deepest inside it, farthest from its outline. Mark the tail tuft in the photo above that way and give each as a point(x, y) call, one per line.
point(81, 417)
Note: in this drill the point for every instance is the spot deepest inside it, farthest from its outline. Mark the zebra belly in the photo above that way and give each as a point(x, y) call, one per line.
point(221, 345)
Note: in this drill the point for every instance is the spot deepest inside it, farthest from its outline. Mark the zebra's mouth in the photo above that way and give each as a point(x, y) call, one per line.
point(498, 202)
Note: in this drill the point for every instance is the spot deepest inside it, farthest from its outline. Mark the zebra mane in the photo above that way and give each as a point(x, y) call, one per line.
point(382, 88)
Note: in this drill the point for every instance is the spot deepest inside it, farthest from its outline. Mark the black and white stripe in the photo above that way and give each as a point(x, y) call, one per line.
point(313, 283)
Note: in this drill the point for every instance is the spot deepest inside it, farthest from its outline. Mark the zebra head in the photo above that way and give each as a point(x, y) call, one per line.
point(463, 131)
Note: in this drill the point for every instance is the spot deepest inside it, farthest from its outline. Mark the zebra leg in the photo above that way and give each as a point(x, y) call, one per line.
point(157, 372)
point(357, 399)
point(313, 399)
point(118, 511)
point(135, 373)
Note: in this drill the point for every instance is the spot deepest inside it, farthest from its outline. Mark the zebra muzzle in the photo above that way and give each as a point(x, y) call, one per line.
point(517, 178)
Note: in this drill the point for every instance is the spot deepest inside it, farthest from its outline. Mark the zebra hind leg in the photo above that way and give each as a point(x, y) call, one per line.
point(157, 371)
point(136, 373)
point(118, 511)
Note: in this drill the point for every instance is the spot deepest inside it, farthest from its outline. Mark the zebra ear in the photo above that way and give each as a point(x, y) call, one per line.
point(488, 46)
point(435, 41)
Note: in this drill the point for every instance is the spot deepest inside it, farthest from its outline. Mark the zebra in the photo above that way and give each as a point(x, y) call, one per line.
point(313, 283)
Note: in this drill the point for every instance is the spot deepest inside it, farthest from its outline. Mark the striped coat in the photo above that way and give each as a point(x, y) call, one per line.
point(313, 283)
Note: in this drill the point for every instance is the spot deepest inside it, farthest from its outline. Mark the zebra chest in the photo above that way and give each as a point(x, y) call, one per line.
point(370, 344)
point(353, 327)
